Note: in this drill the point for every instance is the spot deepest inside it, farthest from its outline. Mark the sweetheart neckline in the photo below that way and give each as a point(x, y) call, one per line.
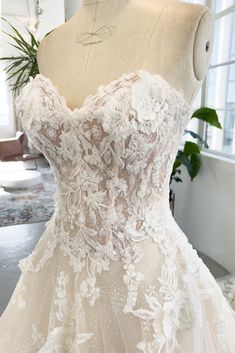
point(55, 89)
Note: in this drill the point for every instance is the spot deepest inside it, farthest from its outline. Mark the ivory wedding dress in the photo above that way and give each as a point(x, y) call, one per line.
point(113, 272)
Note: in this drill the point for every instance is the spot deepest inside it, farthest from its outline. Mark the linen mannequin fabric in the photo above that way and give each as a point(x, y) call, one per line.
point(113, 272)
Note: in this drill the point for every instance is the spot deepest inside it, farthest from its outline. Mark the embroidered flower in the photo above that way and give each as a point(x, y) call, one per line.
point(88, 290)
point(148, 101)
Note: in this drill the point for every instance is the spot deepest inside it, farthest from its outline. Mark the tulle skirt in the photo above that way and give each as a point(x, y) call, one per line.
point(147, 308)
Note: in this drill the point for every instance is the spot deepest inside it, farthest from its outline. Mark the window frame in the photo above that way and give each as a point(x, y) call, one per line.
point(202, 126)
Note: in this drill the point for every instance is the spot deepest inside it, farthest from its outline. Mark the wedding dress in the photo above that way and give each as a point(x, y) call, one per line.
point(113, 272)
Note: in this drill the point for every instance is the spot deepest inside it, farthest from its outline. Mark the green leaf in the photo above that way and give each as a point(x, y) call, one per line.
point(191, 158)
point(10, 67)
point(208, 115)
point(183, 158)
point(15, 39)
point(198, 137)
point(14, 73)
point(18, 83)
point(34, 42)
point(191, 147)
point(20, 38)
point(19, 48)
point(22, 43)
point(176, 164)
point(49, 32)
point(11, 58)
point(192, 162)
point(195, 164)
point(177, 179)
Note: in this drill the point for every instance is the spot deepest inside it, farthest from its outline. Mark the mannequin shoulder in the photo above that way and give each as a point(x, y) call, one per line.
point(52, 43)
point(198, 21)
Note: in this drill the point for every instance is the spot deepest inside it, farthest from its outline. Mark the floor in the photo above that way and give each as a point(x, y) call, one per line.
point(16, 242)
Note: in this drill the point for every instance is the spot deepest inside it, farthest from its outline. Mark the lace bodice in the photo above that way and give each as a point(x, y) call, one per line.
point(112, 159)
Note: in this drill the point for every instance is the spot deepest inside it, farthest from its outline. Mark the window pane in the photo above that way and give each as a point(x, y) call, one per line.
point(221, 87)
point(223, 140)
point(221, 5)
point(224, 39)
point(228, 138)
point(4, 108)
point(221, 96)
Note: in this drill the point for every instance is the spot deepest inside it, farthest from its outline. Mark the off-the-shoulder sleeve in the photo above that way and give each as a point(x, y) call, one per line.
point(41, 111)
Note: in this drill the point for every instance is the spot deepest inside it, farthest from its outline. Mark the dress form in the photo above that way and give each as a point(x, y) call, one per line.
point(166, 37)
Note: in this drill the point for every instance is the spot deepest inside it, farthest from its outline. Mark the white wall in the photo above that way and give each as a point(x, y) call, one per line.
point(8, 129)
point(205, 209)
point(53, 16)
point(71, 7)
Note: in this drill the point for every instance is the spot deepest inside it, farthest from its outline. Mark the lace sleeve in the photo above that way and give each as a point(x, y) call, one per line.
point(42, 117)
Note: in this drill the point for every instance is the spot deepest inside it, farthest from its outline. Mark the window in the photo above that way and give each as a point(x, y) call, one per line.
point(4, 108)
point(218, 89)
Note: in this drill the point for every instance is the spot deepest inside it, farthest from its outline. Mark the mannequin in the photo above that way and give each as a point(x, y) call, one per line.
point(166, 37)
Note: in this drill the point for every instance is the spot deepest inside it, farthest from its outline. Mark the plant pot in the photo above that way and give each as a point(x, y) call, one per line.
point(11, 147)
point(172, 201)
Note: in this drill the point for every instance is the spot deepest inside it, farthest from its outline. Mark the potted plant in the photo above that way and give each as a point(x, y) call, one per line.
point(24, 65)
point(190, 155)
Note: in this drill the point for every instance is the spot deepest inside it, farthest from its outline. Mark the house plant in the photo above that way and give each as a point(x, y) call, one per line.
point(190, 156)
point(24, 65)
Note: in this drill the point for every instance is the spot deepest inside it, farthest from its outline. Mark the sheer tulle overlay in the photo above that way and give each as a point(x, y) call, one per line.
point(113, 272)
